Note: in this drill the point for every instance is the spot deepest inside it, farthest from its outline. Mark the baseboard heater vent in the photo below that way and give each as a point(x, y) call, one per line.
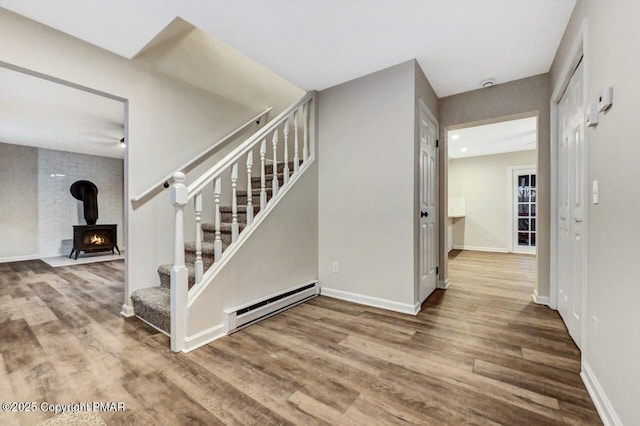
point(252, 312)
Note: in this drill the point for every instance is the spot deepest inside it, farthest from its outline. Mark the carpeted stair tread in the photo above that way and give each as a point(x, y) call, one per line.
point(164, 271)
point(225, 227)
point(255, 191)
point(242, 209)
point(207, 247)
point(153, 304)
point(268, 168)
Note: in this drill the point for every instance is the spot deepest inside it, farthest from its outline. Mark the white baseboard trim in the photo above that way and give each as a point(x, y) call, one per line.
point(127, 311)
point(540, 300)
point(153, 326)
point(376, 302)
point(19, 258)
point(204, 337)
point(605, 409)
point(477, 248)
point(443, 284)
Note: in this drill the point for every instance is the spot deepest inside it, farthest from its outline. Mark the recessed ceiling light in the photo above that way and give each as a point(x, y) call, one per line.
point(455, 137)
point(463, 149)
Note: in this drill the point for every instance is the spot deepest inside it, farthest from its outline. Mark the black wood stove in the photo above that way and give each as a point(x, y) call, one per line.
point(91, 238)
point(94, 238)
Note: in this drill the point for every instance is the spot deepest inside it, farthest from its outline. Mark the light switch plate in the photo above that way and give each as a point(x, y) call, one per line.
point(596, 192)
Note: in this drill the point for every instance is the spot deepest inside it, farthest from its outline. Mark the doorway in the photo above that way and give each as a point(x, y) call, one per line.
point(73, 133)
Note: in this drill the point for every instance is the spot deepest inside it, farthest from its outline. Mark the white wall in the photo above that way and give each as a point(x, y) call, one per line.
point(613, 288)
point(59, 211)
point(281, 253)
point(170, 121)
point(18, 202)
point(484, 183)
point(366, 186)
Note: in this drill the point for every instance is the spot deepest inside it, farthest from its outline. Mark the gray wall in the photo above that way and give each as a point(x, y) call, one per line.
point(611, 355)
point(366, 185)
point(18, 201)
point(485, 182)
point(516, 99)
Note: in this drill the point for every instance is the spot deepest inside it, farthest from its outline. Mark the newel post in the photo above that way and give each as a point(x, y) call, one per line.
point(179, 273)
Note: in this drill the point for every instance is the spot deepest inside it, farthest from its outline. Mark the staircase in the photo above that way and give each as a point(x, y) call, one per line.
point(285, 150)
point(152, 304)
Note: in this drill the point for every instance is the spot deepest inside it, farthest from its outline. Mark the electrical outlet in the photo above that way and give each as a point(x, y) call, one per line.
point(336, 267)
point(594, 326)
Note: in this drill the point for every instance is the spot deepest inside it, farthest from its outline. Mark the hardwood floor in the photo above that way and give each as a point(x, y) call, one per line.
point(479, 353)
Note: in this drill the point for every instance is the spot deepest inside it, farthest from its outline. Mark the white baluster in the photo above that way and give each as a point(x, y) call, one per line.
point(234, 203)
point(286, 151)
point(274, 181)
point(296, 158)
point(263, 185)
point(217, 243)
point(305, 146)
point(179, 272)
point(197, 206)
point(249, 189)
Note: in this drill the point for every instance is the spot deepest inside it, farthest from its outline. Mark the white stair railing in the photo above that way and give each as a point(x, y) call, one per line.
point(246, 214)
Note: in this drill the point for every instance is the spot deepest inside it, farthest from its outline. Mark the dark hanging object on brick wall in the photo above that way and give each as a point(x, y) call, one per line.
point(87, 192)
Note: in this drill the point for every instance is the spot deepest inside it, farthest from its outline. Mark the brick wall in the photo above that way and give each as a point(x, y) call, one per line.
point(59, 211)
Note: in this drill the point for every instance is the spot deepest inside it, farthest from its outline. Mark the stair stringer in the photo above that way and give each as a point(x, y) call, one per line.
point(277, 252)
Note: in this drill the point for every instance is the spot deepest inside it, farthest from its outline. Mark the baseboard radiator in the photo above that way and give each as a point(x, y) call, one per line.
point(243, 316)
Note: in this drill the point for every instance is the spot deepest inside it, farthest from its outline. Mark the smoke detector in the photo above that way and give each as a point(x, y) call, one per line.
point(488, 82)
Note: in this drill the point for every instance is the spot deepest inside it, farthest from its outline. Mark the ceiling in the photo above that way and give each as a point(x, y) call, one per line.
point(44, 114)
point(318, 44)
point(497, 138)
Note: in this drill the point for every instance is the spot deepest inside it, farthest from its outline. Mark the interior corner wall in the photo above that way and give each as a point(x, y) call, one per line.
point(366, 187)
point(484, 183)
point(18, 202)
point(59, 211)
point(516, 99)
point(610, 353)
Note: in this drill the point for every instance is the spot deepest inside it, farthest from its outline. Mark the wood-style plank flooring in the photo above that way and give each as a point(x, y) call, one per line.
point(479, 353)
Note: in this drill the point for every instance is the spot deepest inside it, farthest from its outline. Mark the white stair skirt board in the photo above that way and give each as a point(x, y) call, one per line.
point(606, 411)
point(60, 261)
point(19, 258)
point(204, 337)
point(443, 284)
point(375, 302)
point(540, 300)
point(257, 310)
point(476, 248)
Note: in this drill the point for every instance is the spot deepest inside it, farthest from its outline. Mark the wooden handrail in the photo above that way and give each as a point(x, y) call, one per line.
point(207, 177)
point(187, 165)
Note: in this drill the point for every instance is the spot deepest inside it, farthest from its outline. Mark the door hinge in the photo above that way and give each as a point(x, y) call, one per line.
point(437, 143)
point(437, 270)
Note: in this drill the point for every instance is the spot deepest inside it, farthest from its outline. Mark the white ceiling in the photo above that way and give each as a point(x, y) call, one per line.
point(497, 138)
point(318, 44)
point(40, 113)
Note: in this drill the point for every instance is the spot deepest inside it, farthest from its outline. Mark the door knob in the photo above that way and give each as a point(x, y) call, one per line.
point(424, 214)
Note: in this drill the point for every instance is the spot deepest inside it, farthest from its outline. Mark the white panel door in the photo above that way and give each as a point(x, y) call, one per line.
point(571, 208)
point(428, 188)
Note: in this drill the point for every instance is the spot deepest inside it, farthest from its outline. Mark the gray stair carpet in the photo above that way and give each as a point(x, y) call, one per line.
point(153, 304)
